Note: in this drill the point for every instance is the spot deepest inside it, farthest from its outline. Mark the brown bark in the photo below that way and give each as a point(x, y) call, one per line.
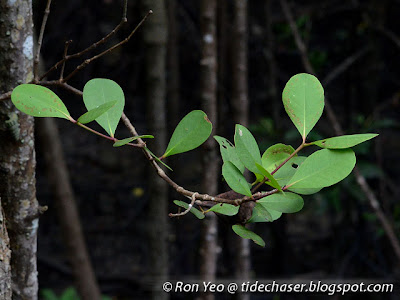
point(17, 155)
point(155, 38)
point(67, 211)
point(5, 256)
point(240, 104)
point(208, 90)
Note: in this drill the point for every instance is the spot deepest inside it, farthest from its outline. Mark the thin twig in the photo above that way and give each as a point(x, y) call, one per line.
point(67, 43)
point(40, 40)
point(186, 210)
point(343, 66)
point(88, 61)
point(368, 192)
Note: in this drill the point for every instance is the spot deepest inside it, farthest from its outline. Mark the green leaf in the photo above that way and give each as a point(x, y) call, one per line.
point(235, 179)
point(283, 202)
point(275, 155)
point(247, 148)
point(245, 233)
point(123, 142)
point(286, 172)
point(260, 214)
point(39, 101)
point(225, 209)
point(93, 114)
point(99, 91)
point(272, 181)
point(48, 294)
point(228, 152)
point(344, 141)
point(323, 168)
point(193, 210)
point(192, 131)
point(158, 160)
point(303, 98)
point(69, 294)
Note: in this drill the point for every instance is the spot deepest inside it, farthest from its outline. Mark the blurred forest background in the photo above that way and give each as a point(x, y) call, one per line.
point(231, 59)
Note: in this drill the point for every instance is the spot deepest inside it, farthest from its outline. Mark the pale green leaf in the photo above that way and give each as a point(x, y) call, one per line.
point(286, 172)
point(192, 131)
point(344, 141)
point(225, 209)
point(283, 202)
point(323, 168)
point(235, 179)
point(228, 152)
point(303, 98)
point(272, 181)
point(94, 113)
point(99, 91)
point(39, 101)
point(157, 159)
point(198, 214)
point(123, 142)
point(275, 155)
point(247, 148)
point(245, 233)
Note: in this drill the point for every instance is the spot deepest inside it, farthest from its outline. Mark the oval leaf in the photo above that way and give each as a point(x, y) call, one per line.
point(247, 148)
point(286, 172)
point(344, 141)
point(93, 114)
point(228, 152)
point(225, 209)
point(283, 202)
point(235, 179)
point(39, 101)
point(123, 142)
point(193, 210)
point(192, 131)
point(275, 155)
point(99, 91)
point(245, 233)
point(303, 98)
point(323, 168)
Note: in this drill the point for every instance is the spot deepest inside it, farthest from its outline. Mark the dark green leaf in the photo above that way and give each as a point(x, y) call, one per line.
point(283, 202)
point(193, 210)
point(303, 98)
point(323, 168)
point(235, 179)
point(225, 209)
point(275, 155)
point(272, 181)
point(192, 131)
point(228, 152)
point(93, 114)
point(247, 148)
point(123, 142)
point(260, 214)
point(48, 294)
point(344, 141)
point(99, 91)
point(69, 294)
point(245, 233)
point(39, 101)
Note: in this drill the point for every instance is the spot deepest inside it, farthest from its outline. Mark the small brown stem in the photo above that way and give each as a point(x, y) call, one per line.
point(187, 210)
point(40, 41)
point(67, 43)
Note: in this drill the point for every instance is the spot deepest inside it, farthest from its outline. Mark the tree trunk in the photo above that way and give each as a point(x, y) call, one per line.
point(5, 256)
point(240, 105)
point(67, 211)
point(208, 81)
point(17, 155)
point(155, 38)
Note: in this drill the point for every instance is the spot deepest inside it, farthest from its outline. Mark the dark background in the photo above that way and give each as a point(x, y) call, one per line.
point(336, 235)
